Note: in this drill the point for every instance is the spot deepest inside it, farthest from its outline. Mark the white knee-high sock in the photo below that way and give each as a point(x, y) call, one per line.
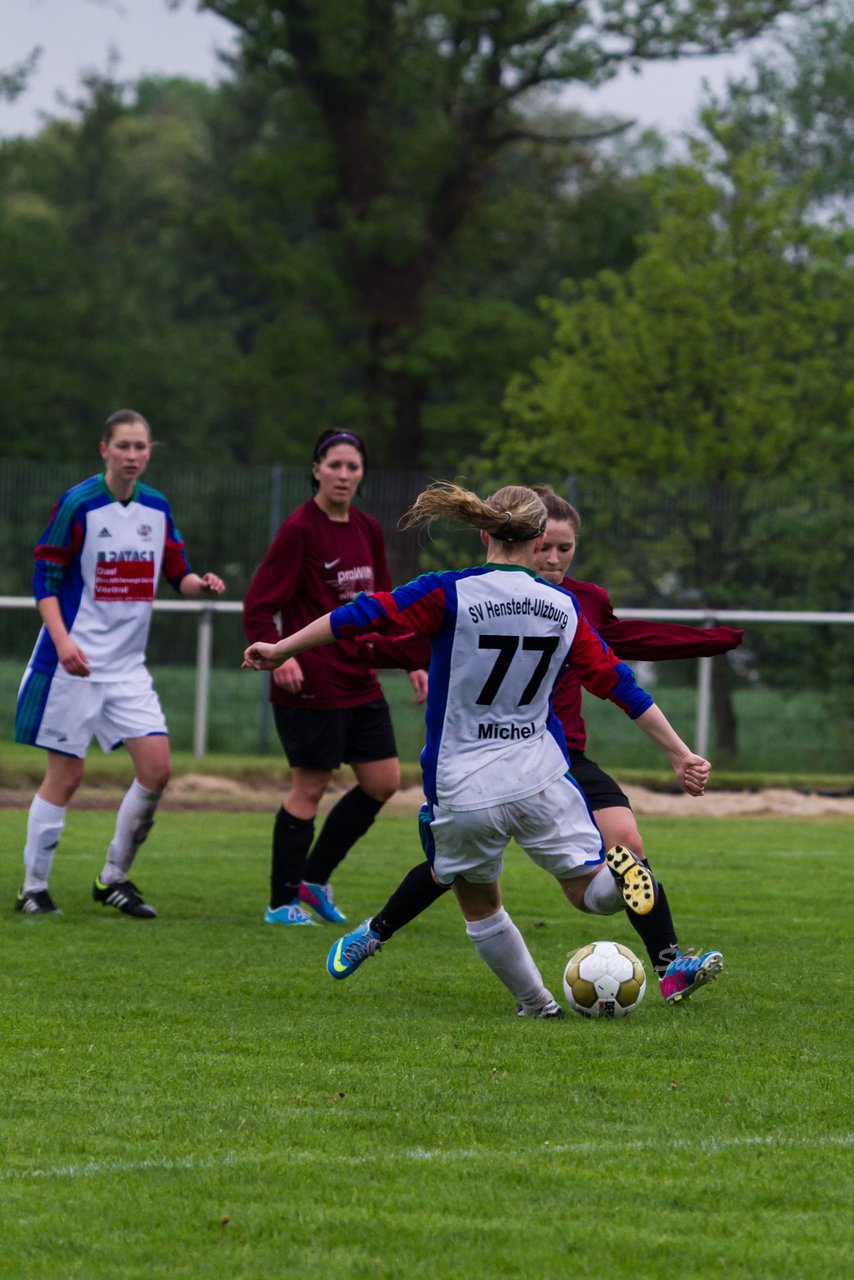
point(602, 896)
point(44, 827)
point(133, 823)
point(500, 944)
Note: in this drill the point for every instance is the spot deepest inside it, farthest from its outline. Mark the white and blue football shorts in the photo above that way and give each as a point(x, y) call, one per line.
point(554, 827)
point(64, 713)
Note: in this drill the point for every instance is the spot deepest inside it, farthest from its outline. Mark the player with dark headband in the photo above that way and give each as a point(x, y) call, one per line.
point(327, 707)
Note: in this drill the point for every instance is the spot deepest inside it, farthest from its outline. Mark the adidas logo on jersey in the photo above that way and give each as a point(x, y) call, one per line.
point(105, 533)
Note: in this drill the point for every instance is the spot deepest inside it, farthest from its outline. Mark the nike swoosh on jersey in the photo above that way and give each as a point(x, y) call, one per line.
point(332, 563)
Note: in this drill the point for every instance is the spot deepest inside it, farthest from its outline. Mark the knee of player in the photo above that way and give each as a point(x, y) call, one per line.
point(155, 779)
point(618, 826)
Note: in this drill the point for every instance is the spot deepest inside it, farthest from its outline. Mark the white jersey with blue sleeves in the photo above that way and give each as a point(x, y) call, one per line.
point(500, 638)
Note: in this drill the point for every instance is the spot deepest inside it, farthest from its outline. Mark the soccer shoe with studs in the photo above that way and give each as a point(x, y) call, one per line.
point(551, 1009)
point(634, 879)
point(125, 897)
point(687, 972)
point(351, 950)
point(290, 913)
point(36, 902)
point(319, 898)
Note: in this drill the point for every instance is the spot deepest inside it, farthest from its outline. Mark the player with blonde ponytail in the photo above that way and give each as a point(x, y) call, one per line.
point(494, 764)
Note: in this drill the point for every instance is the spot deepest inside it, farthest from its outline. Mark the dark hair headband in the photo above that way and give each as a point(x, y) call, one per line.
point(338, 437)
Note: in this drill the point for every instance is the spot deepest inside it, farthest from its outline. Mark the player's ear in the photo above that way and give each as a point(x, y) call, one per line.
point(484, 537)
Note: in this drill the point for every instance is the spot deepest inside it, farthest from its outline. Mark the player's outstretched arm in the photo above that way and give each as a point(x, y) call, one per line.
point(266, 657)
point(194, 585)
point(691, 770)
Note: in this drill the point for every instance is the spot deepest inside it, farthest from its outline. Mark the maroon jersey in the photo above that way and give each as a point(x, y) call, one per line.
point(312, 566)
point(650, 641)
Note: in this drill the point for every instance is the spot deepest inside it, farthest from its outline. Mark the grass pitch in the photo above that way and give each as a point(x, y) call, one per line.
point(195, 1097)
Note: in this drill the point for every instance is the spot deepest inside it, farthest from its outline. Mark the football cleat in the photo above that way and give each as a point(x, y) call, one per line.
point(348, 952)
point(125, 897)
point(687, 972)
point(290, 913)
point(319, 898)
point(551, 1009)
point(36, 902)
point(634, 879)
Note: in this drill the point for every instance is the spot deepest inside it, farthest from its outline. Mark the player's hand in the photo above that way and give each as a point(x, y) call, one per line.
point(261, 657)
point(418, 680)
point(693, 774)
point(212, 584)
point(72, 659)
point(289, 676)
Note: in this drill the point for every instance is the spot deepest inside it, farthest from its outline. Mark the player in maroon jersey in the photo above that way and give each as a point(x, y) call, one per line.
point(327, 707)
point(679, 974)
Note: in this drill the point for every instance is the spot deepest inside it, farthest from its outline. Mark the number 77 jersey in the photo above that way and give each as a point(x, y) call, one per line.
point(500, 638)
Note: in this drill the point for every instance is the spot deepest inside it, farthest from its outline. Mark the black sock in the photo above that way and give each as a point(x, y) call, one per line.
point(346, 823)
point(291, 842)
point(416, 892)
point(656, 932)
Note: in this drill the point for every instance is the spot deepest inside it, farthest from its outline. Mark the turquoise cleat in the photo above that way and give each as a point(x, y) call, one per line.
point(319, 898)
point(290, 913)
point(687, 972)
point(348, 952)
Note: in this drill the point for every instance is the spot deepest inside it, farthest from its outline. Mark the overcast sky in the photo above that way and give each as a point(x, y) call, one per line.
point(77, 35)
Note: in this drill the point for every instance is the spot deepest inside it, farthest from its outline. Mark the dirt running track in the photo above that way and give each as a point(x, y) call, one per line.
point(204, 791)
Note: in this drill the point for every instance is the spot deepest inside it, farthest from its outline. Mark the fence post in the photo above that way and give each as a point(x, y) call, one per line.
point(204, 650)
point(704, 704)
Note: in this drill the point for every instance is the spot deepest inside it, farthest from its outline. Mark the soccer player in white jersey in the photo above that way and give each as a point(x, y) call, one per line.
point(96, 571)
point(495, 764)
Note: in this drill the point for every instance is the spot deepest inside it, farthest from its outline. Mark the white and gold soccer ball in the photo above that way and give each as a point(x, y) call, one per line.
point(604, 980)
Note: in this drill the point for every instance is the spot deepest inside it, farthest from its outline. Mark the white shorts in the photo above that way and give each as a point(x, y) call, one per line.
point(554, 827)
point(63, 713)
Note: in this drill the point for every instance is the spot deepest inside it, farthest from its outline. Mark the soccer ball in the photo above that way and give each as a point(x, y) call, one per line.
point(604, 980)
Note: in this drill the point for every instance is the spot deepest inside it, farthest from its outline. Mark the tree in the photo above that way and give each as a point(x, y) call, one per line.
point(802, 91)
point(107, 298)
point(416, 103)
point(721, 362)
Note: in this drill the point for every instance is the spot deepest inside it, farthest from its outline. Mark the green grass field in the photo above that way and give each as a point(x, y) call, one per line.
point(195, 1097)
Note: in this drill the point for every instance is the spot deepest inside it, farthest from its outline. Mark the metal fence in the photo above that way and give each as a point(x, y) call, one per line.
point(756, 555)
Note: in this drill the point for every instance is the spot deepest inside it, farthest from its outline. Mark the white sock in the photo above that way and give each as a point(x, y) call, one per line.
point(602, 896)
point(133, 823)
point(500, 944)
point(44, 827)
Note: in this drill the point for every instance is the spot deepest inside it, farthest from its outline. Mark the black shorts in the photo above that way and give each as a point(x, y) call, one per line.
point(599, 787)
point(323, 739)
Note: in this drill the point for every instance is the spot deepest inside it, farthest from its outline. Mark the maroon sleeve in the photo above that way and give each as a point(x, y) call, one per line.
point(652, 641)
point(655, 641)
point(276, 581)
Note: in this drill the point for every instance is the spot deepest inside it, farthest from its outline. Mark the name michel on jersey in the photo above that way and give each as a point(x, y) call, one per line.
point(488, 730)
point(524, 607)
point(109, 557)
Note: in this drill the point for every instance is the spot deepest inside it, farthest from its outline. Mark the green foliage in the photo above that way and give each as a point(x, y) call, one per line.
point(108, 301)
point(801, 90)
point(724, 353)
point(263, 1120)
